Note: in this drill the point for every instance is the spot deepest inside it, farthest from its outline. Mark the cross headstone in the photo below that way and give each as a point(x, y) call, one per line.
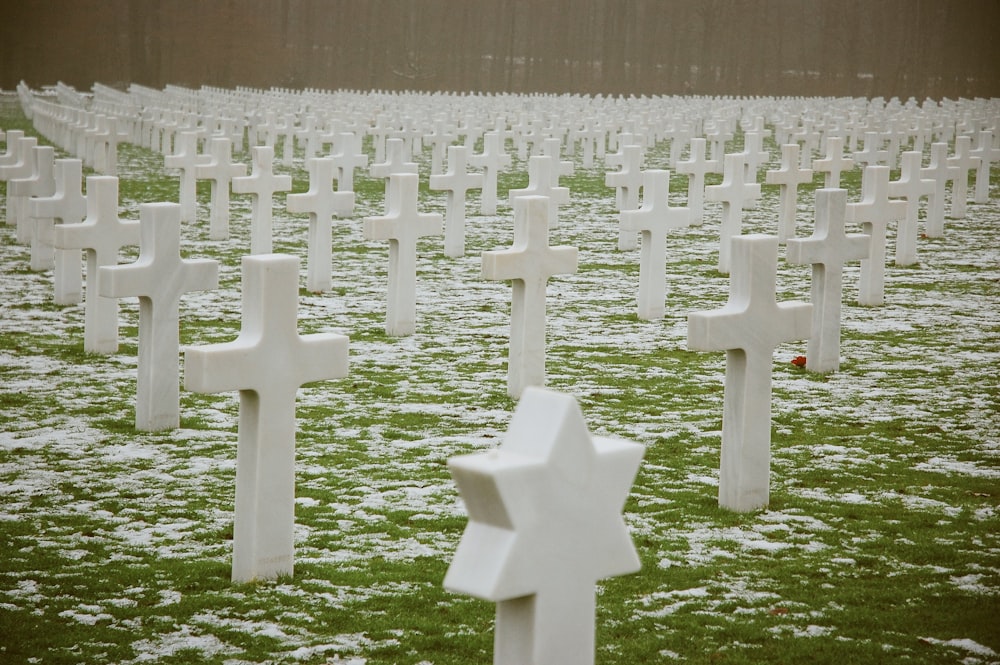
point(402, 226)
point(40, 182)
point(788, 177)
point(220, 170)
point(261, 186)
point(159, 278)
point(873, 154)
point(457, 182)
point(627, 182)
point(652, 220)
point(492, 160)
point(833, 163)
point(732, 192)
point(185, 160)
point(322, 203)
point(529, 263)
point(396, 161)
point(941, 172)
point(748, 329)
point(101, 235)
point(911, 187)
point(545, 525)
point(874, 212)
point(267, 363)
point(987, 155)
point(964, 161)
point(540, 184)
point(695, 167)
point(69, 206)
point(346, 158)
point(22, 167)
point(828, 249)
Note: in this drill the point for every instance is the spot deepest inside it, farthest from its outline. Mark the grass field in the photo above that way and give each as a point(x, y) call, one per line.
point(881, 543)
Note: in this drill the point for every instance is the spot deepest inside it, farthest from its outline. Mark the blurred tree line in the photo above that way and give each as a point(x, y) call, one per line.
point(920, 48)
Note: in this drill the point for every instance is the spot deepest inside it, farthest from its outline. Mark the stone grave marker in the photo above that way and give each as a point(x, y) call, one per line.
point(159, 277)
point(695, 167)
point(101, 235)
point(321, 202)
point(493, 160)
point(40, 182)
point(964, 161)
point(733, 193)
point(833, 163)
point(266, 363)
point(788, 177)
point(545, 524)
point(185, 160)
point(873, 153)
point(748, 328)
point(22, 167)
point(261, 185)
point(627, 182)
point(540, 184)
point(827, 250)
point(652, 220)
point(941, 172)
point(874, 212)
point(219, 169)
point(346, 158)
point(402, 226)
point(456, 181)
point(987, 155)
point(396, 161)
point(911, 187)
point(529, 263)
point(68, 205)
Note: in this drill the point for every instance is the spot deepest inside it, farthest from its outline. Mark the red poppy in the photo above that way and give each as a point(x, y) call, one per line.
point(799, 361)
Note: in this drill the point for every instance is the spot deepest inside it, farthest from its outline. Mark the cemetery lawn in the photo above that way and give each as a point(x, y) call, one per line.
point(881, 542)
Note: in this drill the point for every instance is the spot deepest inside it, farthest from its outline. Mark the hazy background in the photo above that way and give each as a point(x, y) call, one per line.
point(919, 48)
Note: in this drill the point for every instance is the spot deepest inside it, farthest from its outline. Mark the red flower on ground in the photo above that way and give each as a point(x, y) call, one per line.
point(799, 361)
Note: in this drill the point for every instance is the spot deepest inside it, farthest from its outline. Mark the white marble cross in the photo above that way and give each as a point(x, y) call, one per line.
point(987, 155)
point(733, 192)
point(322, 203)
point(101, 235)
point(695, 167)
point(540, 184)
point(911, 187)
point(402, 226)
point(456, 181)
point(964, 161)
point(748, 329)
point(872, 154)
point(22, 167)
point(834, 162)
point(492, 160)
point(874, 212)
point(266, 363)
point(159, 277)
point(652, 220)
point(941, 172)
point(627, 182)
point(346, 158)
point(828, 249)
point(69, 206)
point(788, 177)
point(185, 160)
point(545, 524)
point(40, 182)
point(261, 186)
point(220, 170)
point(396, 161)
point(529, 263)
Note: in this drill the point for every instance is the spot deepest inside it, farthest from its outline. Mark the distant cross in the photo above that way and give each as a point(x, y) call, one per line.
point(754, 154)
point(22, 167)
point(788, 177)
point(653, 220)
point(457, 182)
point(402, 226)
point(552, 147)
point(68, 205)
point(911, 187)
point(695, 167)
point(540, 184)
point(322, 203)
point(492, 160)
point(717, 136)
point(733, 191)
point(396, 161)
point(873, 154)
point(833, 163)
point(40, 182)
point(941, 172)
point(828, 249)
point(545, 525)
point(748, 329)
point(220, 170)
point(346, 158)
point(186, 159)
point(261, 186)
point(529, 263)
point(439, 139)
point(964, 161)
point(987, 155)
point(874, 212)
point(809, 138)
point(628, 179)
point(159, 277)
point(267, 363)
point(102, 235)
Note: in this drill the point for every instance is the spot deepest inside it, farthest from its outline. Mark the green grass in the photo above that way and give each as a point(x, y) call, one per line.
point(881, 542)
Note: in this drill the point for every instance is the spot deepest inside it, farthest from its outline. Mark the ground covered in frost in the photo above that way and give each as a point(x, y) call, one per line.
point(881, 543)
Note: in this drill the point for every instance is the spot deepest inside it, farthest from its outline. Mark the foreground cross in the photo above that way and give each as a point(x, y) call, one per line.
point(159, 277)
point(267, 363)
point(827, 250)
point(545, 524)
point(529, 263)
point(748, 329)
point(102, 235)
